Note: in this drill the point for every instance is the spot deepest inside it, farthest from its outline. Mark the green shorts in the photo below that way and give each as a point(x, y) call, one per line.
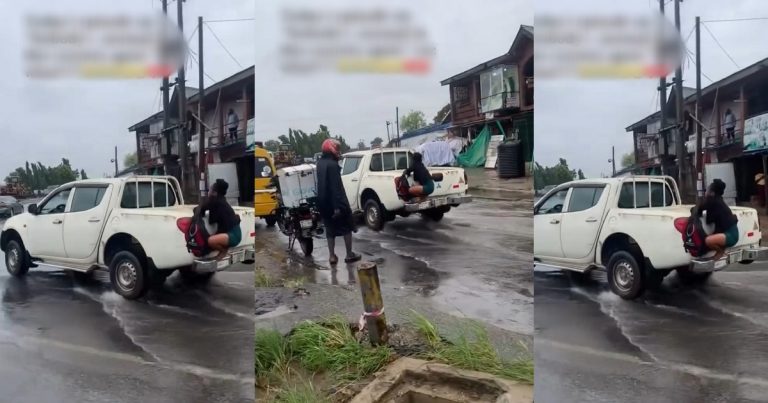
point(731, 236)
point(235, 236)
point(429, 187)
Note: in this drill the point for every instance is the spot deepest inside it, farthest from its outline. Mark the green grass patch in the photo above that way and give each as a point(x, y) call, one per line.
point(263, 279)
point(301, 392)
point(330, 346)
point(272, 355)
point(295, 283)
point(472, 350)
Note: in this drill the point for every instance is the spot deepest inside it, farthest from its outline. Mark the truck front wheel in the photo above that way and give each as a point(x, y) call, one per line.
point(16, 259)
point(374, 215)
point(127, 275)
point(625, 277)
point(271, 220)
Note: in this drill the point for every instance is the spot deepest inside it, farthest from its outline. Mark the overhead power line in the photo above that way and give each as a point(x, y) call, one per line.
point(222, 45)
point(721, 46)
point(230, 20)
point(739, 19)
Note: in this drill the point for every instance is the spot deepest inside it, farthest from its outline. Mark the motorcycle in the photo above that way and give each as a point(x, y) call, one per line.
point(301, 224)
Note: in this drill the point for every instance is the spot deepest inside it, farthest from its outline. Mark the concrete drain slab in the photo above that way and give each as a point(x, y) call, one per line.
point(409, 380)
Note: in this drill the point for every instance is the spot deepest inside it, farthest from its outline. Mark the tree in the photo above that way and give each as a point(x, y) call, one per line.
point(413, 120)
point(581, 175)
point(442, 113)
point(272, 145)
point(361, 145)
point(555, 175)
point(130, 160)
point(627, 160)
point(36, 176)
point(305, 145)
point(83, 175)
point(377, 142)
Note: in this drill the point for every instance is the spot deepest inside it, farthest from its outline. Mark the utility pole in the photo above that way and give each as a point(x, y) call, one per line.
point(397, 123)
point(613, 160)
point(115, 160)
point(166, 110)
point(389, 140)
point(699, 160)
point(662, 105)
point(181, 90)
point(680, 144)
point(201, 111)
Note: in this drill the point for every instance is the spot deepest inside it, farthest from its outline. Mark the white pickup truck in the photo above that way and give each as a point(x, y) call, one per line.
point(626, 226)
point(127, 226)
point(369, 179)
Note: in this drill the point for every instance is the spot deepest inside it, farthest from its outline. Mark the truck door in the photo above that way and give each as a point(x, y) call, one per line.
point(581, 220)
point(85, 220)
point(351, 171)
point(46, 228)
point(547, 218)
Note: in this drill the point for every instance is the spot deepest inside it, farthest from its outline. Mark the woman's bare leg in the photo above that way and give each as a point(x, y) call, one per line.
point(219, 243)
point(716, 242)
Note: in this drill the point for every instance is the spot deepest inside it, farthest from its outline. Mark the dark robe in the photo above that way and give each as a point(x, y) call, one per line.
point(331, 196)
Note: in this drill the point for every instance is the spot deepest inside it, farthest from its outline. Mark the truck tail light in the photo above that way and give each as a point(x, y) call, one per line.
point(680, 224)
point(184, 223)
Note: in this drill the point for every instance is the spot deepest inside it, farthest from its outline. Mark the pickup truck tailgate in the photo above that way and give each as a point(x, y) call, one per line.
point(453, 181)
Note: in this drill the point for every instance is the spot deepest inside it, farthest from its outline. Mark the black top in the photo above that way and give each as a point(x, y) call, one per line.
point(719, 213)
point(420, 173)
point(330, 189)
point(221, 214)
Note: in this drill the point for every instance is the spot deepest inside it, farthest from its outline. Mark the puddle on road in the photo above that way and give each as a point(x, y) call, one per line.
point(714, 328)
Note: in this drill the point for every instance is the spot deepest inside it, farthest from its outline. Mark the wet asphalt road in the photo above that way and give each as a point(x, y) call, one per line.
point(680, 344)
point(475, 263)
point(68, 340)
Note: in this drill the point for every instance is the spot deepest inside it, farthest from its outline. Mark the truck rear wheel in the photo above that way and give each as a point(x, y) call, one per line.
point(625, 276)
point(688, 277)
point(127, 275)
point(16, 259)
point(433, 214)
point(189, 276)
point(374, 215)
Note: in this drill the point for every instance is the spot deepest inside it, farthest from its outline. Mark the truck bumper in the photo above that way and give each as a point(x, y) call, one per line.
point(753, 254)
point(437, 202)
point(212, 266)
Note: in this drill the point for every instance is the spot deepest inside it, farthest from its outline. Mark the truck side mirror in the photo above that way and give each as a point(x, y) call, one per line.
point(32, 209)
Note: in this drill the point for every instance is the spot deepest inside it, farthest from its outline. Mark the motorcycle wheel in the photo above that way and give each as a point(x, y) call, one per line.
point(306, 244)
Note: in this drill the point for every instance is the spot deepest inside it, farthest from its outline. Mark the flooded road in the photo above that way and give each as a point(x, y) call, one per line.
point(64, 339)
point(679, 344)
point(475, 263)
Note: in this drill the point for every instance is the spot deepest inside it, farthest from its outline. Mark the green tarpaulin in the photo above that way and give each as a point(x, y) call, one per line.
point(474, 156)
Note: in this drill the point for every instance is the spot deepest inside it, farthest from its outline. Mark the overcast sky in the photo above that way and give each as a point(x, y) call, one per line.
point(84, 120)
point(357, 106)
point(596, 112)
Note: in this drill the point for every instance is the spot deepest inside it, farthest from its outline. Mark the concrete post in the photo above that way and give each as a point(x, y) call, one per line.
point(368, 275)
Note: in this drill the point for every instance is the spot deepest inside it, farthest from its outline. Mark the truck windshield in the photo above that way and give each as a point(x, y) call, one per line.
point(641, 194)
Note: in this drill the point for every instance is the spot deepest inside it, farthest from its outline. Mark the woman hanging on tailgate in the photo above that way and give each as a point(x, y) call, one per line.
point(425, 185)
point(228, 233)
point(726, 233)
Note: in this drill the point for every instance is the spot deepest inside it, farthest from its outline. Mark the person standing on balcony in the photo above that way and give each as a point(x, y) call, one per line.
point(730, 125)
point(232, 122)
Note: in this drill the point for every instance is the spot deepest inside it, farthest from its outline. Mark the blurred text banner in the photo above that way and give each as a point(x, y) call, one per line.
point(606, 46)
point(101, 46)
point(383, 40)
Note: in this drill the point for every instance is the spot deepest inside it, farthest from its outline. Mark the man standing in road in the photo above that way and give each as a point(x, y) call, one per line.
point(332, 202)
point(232, 122)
